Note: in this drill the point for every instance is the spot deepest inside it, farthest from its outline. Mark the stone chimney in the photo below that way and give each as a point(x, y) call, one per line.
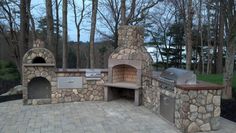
point(130, 52)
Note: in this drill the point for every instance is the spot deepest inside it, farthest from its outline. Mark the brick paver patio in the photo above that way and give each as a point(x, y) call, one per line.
point(119, 116)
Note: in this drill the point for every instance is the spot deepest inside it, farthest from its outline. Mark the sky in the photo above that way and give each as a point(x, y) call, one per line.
point(39, 10)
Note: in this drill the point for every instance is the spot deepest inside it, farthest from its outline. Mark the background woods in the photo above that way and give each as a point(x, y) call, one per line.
point(198, 35)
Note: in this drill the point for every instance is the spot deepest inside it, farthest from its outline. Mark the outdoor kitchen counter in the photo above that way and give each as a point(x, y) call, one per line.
point(60, 70)
point(191, 107)
point(198, 106)
point(201, 85)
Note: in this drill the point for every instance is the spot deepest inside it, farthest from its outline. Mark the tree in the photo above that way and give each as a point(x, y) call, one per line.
point(219, 61)
point(122, 13)
point(188, 33)
point(200, 40)
point(92, 32)
point(209, 39)
point(24, 28)
point(166, 32)
point(64, 36)
point(110, 19)
point(33, 31)
point(102, 52)
point(230, 25)
point(57, 28)
point(78, 21)
point(186, 12)
point(10, 32)
point(50, 26)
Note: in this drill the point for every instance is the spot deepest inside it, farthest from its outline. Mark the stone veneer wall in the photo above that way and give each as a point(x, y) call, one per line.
point(197, 110)
point(92, 89)
point(151, 93)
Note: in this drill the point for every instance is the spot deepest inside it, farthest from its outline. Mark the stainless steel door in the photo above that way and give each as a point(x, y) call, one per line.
point(167, 107)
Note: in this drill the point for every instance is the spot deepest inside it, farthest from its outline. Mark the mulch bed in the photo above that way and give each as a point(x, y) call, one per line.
point(10, 97)
point(228, 109)
point(6, 85)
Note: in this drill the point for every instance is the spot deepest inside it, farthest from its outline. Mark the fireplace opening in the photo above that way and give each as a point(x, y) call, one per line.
point(39, 88)
point(121, 93)
point(124, 73)
point(126, 94)
point(38, 60)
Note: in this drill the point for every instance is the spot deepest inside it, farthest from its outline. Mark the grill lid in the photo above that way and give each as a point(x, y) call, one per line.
point(178, 76)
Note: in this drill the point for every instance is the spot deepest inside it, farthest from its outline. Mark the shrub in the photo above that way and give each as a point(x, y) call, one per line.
point(8, 71)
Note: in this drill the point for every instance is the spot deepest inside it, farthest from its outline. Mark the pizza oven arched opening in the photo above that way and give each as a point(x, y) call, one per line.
point(39, 88)
point(38, 60)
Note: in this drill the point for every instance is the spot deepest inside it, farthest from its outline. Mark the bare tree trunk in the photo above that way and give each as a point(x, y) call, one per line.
point(77, 24)
point(78, 49)
point(34, 36)
point(50, 25)
point(92, 32)
point(131, 14)
point(64, 36)
point(219, 68)
point(23, 29)
point(202, 54)
point(230, 28)
point(201, 38)
point(209, 56)
point(115, 45)
point(125, 20)
point(229, 68)
point(123, 11)
point(57, 30)
point(189, 36)
point(216, 35)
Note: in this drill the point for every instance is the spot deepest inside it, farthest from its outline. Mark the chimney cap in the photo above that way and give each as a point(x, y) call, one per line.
point(38, 44)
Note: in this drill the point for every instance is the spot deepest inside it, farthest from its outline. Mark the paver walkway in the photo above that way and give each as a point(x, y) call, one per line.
point(119, 116)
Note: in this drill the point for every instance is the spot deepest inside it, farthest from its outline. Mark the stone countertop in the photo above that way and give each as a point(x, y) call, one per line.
point(60, 70)
point(39, 65)
point(201, 85)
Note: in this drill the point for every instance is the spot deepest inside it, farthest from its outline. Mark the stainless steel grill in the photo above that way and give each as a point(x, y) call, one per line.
point(179, 76)
point(174, 76)
point(167, 81)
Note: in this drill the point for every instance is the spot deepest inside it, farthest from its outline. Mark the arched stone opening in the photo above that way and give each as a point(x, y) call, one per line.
point(39, 88)
point(38, 60)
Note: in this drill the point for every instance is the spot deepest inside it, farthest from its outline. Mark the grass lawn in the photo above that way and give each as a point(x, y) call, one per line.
point(215, 78)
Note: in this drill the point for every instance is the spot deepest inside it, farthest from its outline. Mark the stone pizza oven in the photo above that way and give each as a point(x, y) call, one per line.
point(38, 74)
point(128, 63)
